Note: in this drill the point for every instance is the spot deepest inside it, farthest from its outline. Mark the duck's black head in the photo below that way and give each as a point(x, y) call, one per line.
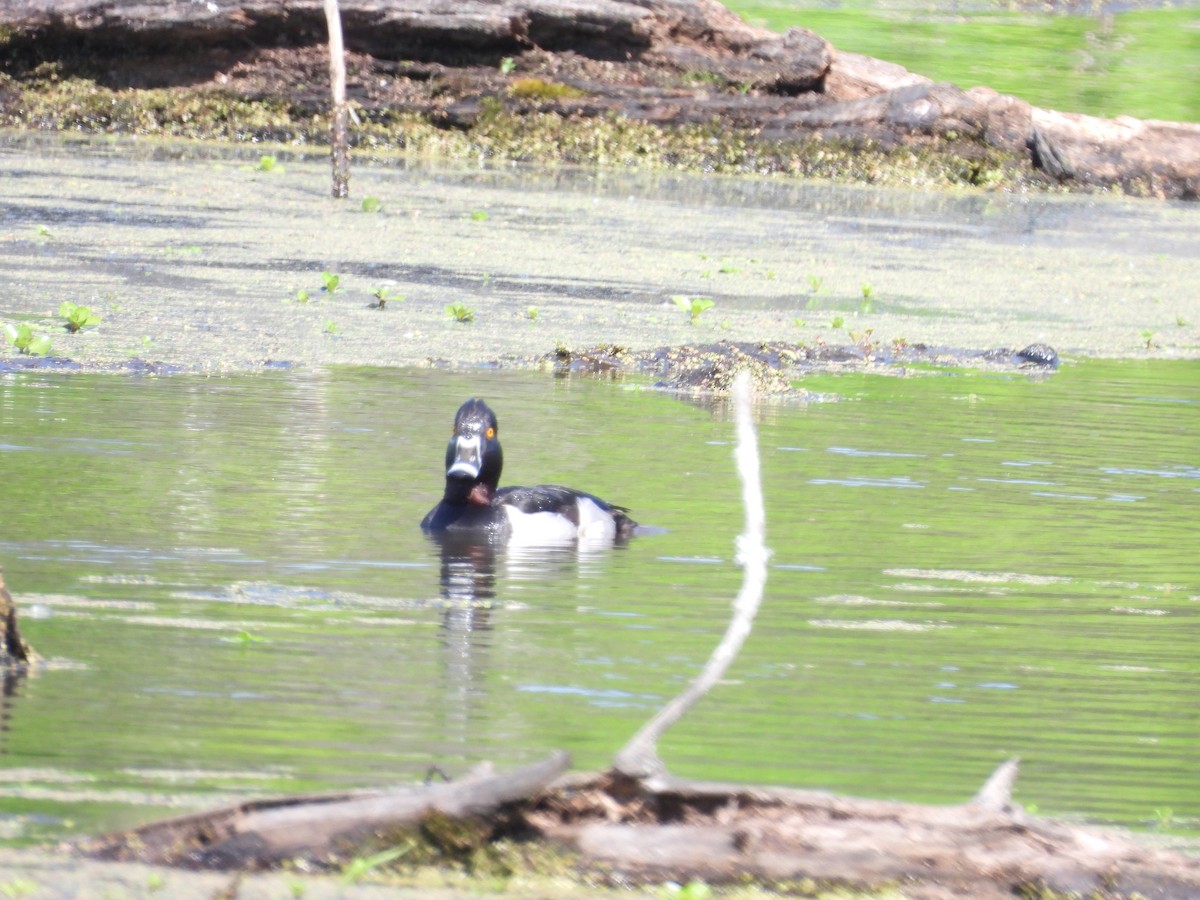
point(473, 457)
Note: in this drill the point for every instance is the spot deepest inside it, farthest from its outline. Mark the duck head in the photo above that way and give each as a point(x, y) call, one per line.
point(473, 457)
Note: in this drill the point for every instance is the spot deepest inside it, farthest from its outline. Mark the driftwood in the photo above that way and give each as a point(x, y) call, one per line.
point(638, 823)
point(671, 62)
point(322, 828)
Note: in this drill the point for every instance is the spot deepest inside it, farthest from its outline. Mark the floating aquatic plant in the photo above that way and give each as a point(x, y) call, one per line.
point(693, 306)
point(330, 283)
point(78, 317)
point(24, 340)
point(383, 296)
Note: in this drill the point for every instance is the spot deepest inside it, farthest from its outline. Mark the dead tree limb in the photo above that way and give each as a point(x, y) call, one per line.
point(639, 758)
point(340, 135)
point(265, 833)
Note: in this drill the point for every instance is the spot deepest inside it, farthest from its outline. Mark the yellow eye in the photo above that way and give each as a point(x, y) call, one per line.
point(491, 433)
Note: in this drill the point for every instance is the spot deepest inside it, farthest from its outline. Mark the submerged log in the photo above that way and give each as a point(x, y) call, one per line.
point(670, 62)
point(13, 650)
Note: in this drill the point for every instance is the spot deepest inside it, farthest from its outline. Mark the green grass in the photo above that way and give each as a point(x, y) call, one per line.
point(1143, 63)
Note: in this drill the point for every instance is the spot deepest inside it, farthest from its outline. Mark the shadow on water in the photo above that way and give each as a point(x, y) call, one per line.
point(229, 583)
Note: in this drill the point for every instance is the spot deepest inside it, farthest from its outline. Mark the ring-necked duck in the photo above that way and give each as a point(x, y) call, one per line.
point(472, 503)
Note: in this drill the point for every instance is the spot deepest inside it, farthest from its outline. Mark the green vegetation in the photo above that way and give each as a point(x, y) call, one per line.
point(19, 887)
point(24, 340)
point(1141, 62)
point(331, 327)
point(693, 306)
point(49, 100)
point(330, 283)
point(268, 164)
point(460, 313)
point(371, 204)
point(245, 639)
point(815, 283)
point(480, 215)
point(837, 322)
point(301, 296)
point(537, 89)
point(357, 868)
point(693, 890)
point(383, 296)
point(507, 66)
point(77, 317)
point(531, 314)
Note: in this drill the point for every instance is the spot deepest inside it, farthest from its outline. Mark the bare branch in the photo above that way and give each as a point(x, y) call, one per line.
point(639, 757)
point(339, 139)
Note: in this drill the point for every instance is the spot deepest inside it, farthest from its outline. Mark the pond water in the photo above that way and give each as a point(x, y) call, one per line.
point(229, 584)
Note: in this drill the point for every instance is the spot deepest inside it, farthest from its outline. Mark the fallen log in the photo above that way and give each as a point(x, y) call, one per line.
point(647, 830)
point(323, 829)
point(672, 63)
point(667, 828)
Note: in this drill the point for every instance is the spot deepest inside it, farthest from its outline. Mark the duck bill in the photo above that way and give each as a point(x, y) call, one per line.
point(468, 458)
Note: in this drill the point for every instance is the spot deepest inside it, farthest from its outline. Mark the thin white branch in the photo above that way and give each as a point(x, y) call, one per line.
point(639, 757)
point(339, 138)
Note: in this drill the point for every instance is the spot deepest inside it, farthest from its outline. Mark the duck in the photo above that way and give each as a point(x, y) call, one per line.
point(473, 504)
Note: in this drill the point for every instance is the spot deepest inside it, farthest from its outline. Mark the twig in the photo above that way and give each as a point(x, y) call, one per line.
point(339, 139)
point(639, 757)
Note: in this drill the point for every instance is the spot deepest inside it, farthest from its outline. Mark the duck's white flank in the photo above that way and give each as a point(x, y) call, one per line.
point(595, 525)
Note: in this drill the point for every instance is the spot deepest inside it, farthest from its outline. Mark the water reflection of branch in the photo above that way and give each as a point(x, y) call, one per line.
point(639, 758)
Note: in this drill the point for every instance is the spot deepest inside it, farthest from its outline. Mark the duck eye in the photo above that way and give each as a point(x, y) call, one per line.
point(491, 433)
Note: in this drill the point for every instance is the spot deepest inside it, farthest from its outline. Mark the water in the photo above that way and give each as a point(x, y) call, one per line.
point(234, 599)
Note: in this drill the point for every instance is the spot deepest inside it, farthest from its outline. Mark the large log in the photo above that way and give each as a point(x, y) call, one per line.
point(664, 828)
point(671, 62)
point(669, 828)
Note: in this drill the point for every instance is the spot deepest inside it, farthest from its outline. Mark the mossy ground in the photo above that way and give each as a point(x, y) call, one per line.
point(506, 128)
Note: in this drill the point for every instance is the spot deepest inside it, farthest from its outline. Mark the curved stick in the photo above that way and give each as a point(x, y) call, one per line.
point(639, 757)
